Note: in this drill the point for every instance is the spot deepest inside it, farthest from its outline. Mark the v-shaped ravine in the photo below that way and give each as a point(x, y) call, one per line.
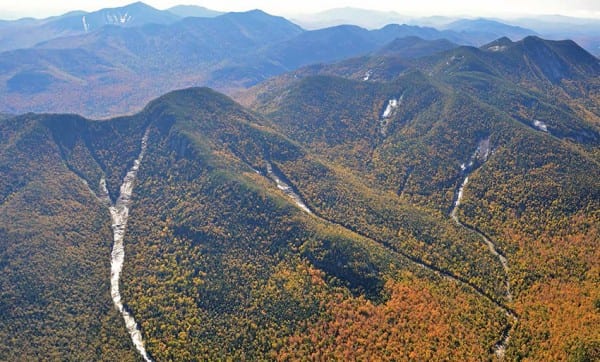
point(119, 213)
point(482, 152)
point(479, 157)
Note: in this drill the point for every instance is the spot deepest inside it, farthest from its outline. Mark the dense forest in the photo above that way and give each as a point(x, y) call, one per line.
point(449, 212)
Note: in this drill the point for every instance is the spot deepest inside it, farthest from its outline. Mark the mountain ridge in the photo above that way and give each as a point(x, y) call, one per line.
point(377, 182)
point(194, 49)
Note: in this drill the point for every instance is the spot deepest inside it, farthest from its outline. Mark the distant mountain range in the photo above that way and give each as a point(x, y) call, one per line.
point(585, 31)
point(113, 61)
point(369, 19)
point(480, 31)
point(127, 66)
point(24, 33)
point(483, 30)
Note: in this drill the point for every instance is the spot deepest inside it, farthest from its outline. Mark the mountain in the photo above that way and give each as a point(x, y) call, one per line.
point(135, 14)
point(26, 33)
point(384, 63)
point(220, 260)
point(511, 133)
point(344, 41)
point(211, 39)
point(585, 32)
point(129, 66)
point(537, 64)
point(73, 64)
point(444, 208)
point(471, 31)
point(536, 61)
point(185, 11)
point(481, 31)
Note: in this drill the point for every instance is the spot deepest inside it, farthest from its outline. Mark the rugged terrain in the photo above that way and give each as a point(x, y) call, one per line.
point(436, 208)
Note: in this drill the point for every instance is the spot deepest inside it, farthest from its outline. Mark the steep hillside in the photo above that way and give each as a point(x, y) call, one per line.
point(236, 245)
point(561, 67)
point(503, 141)
point(56, 239)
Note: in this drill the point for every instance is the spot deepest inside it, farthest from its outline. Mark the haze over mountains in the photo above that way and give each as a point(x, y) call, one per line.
point(27, 32)
point(586, 32)
point(113, 61)
point(399, 193)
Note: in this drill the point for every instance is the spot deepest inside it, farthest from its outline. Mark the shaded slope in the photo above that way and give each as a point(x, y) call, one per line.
point(343, 41)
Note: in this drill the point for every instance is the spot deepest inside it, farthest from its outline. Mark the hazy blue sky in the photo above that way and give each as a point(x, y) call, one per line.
point(581, 8)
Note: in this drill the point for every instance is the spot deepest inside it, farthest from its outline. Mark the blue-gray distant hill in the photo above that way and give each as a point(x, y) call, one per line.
point(481, 31)
point(25, 33)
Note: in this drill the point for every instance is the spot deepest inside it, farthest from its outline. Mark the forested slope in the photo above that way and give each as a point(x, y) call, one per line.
point(443, 208)
point(219, 261)
point(415, 135)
